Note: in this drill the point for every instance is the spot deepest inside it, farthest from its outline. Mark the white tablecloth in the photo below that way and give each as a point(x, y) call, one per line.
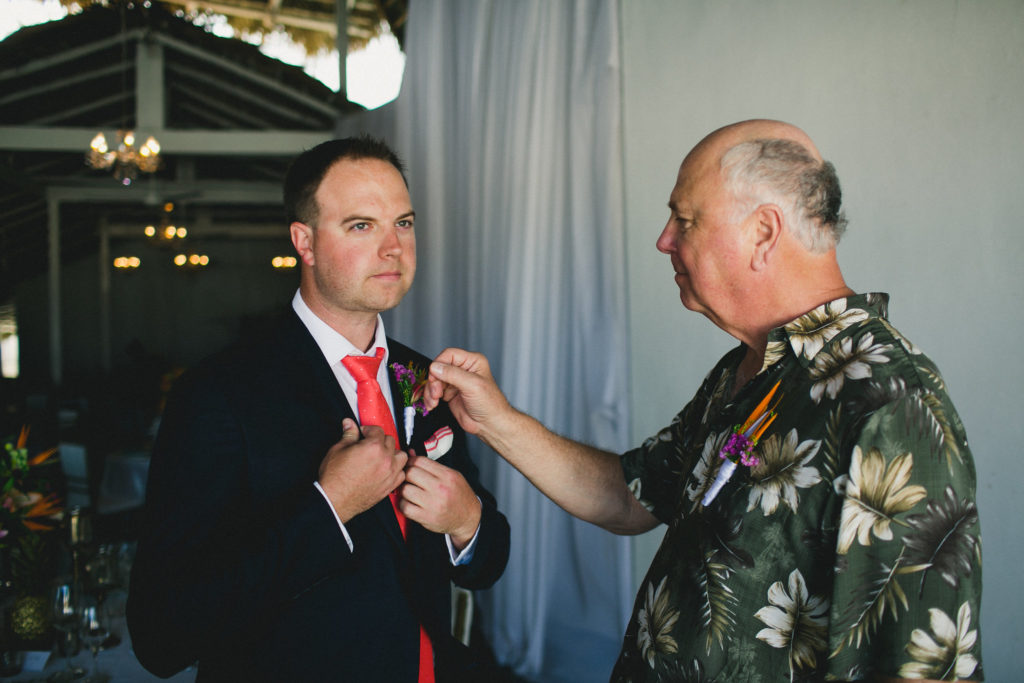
point(117, 664)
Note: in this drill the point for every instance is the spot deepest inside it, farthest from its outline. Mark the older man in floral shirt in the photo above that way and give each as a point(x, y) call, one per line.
point(818, 490)
point(850, 548)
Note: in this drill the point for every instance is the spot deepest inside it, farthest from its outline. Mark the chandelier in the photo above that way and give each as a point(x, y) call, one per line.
point(126, 159)
point(167, 232)
point(191, 261)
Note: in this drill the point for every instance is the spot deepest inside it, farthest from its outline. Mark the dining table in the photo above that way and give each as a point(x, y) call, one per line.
point(115, 664)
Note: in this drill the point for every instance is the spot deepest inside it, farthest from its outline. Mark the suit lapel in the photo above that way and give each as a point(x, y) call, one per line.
point(397, 353)
point(320, 371)
point(397, 400)
point(338, 407)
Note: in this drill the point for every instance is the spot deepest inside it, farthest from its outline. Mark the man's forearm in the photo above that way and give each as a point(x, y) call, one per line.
point(584, 481)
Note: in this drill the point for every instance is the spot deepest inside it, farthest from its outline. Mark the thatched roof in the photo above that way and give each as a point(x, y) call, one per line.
point(312, 23)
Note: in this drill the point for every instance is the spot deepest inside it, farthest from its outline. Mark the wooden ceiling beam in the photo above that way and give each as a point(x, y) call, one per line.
point(58, 115)
point(233, 115)
point(237, 94)
point(243, 71)
point(54, 84)
point(74, 55)
point(155, 191)
point(283, 143)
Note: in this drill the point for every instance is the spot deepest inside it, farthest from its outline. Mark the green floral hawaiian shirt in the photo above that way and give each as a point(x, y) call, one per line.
point(851, 549)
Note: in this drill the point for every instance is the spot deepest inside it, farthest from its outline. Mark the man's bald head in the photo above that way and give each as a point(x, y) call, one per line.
point(772, 162)
point(717, 143)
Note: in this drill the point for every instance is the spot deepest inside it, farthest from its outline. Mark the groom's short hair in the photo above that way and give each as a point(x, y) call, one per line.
point(308, 169)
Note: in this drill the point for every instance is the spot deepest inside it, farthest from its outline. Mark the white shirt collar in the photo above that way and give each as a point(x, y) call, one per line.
point(335, 346)
point(332, 344)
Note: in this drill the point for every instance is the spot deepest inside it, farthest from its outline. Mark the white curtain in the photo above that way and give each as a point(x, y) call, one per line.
point(510, 123)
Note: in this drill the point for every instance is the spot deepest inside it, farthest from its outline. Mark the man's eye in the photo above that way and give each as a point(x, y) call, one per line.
point(405, 224)
point(360, 226)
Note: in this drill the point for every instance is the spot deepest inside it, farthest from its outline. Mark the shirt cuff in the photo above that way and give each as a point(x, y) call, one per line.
point(344, 531)
point(466, 556)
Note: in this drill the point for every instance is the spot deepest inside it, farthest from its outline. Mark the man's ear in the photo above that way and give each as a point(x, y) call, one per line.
point(767, 232)
point(302, 240)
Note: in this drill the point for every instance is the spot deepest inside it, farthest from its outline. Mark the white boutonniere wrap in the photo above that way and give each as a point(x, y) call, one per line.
point(412, 381)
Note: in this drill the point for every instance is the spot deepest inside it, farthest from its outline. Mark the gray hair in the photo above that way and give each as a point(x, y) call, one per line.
point(785, 173)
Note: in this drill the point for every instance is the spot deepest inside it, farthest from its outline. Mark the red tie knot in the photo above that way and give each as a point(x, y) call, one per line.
point(363, 368)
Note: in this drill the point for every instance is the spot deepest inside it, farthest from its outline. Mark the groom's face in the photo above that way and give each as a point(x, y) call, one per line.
point(362, 251)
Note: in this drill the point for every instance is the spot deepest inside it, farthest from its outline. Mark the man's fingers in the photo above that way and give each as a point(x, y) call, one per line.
point(375, 433)
point(349, 431)
point(423, 464)
point(454, 356)
point(452, 378)
point(432, 393)
point(436, 391)
point(451, 372)
point(398, 481)
point(401, 459)
point(474, 363)
point(420, 471)
point(358, 472)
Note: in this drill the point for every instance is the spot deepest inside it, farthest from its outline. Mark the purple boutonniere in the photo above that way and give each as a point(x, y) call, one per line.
point(412, 381)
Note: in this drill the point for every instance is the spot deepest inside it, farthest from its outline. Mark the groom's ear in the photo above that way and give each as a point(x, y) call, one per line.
point(303, 237)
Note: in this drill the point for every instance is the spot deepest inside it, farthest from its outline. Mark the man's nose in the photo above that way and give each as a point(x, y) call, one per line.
point(666, 240)
point(391, 244)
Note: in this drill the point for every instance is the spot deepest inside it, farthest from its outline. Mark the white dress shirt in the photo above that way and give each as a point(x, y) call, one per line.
point(334, 346)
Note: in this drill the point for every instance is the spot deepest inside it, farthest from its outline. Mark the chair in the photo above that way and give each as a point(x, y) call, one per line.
point(123, 486)
point(76, 472)
point(462, 614)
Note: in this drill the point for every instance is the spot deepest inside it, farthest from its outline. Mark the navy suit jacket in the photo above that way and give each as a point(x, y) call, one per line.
point(241, 565)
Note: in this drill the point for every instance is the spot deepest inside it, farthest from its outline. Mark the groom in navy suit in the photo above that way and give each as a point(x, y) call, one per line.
point(282, 540)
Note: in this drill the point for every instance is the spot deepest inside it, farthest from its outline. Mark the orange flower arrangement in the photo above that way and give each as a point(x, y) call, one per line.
point(24, 508)
point(739, 449)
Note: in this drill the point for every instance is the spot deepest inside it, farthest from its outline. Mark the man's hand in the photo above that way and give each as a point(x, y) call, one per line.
point(357, 473)
point(464, 380)
point(440, 499)
point(584, 481)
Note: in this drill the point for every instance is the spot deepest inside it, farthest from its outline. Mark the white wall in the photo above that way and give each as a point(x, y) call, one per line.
point(919, 105)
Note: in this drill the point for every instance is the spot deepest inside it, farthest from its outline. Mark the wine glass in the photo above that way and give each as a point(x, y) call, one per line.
point(103, 579)
point(93, 629)
point(65, 621)
point(79, 526)
point(125, 559)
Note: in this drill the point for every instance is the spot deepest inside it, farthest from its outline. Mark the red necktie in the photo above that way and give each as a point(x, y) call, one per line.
point(374, 410)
